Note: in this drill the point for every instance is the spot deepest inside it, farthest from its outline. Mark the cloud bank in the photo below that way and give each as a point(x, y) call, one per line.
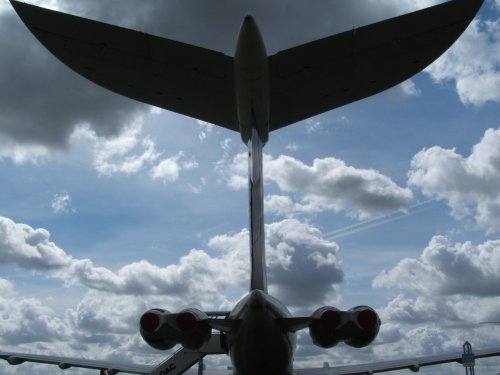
point(446, 269)
point(472, 63)
point(327, 184)
point(470, 185)
point(299, 259)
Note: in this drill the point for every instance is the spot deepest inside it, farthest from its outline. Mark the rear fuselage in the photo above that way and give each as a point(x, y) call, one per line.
point(257, 344)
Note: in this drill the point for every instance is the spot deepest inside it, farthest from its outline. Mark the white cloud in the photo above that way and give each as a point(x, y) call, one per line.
point(284, 205)
point(6, 287)
point(235, 172)
point(28, 320)
point(127, 153)
point(421, 310)
point(106, 313)
point(4, 5)
point(205, 129)
point(297, 255)
point(471, 186)
point(303, 271)
point(445, 269)
point(302, 266)
point(328, 184)
point(43, 101)
point(331, 184)
point(409, 88)
point(26, 247)
point(168, 169)
point(22, 153)
point(61, 202)
point(453, 287)
point(430, 322)
point(313, 125)
point(473, 64)
point(131, 152)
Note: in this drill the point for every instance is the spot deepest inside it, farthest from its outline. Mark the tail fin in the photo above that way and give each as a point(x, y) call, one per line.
point(258, 279)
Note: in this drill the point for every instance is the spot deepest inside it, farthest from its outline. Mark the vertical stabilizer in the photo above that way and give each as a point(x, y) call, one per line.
point(258, 278)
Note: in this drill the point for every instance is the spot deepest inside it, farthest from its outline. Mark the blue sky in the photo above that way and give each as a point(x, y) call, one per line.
point(109, 207)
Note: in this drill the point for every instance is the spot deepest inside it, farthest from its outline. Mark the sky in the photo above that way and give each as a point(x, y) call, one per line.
point(109, 207)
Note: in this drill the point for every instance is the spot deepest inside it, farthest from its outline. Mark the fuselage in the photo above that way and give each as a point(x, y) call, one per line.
point(257, 344)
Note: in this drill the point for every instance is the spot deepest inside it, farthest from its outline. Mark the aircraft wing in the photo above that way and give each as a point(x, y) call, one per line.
point(413, 364)
point(328, 73)
point(305, 80)
point(65, 363)
point(175, 364)
point(179, 77)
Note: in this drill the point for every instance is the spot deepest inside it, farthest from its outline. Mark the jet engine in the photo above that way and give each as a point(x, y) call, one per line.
point(163, 330)
point(369, 323)
point(357, 327)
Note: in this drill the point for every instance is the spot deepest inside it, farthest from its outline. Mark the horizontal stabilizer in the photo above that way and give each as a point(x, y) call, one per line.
point(329, 73)
point(305, 80)
point(179, 77)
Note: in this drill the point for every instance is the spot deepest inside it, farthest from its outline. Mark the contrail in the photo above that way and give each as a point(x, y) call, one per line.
point(371, 223)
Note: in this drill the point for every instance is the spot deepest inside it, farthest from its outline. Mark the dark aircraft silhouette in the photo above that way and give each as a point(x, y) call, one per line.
point(254, 94)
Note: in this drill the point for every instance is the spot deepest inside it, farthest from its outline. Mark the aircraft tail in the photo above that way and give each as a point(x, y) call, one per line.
point(258, 278)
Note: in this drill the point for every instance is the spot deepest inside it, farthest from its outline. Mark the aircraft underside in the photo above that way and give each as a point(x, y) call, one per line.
point(254, 94)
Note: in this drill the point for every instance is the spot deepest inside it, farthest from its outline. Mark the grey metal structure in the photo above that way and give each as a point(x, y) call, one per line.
point(468, 359)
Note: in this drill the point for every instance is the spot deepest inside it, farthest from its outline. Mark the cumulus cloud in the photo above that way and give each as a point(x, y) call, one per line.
point(131, 152)
point(331, 184)
point(303, 266)
point(328, 184)
point(283, 205)
point(470, 185)
point(60, 203)
point(420, 310)
point(303, 270)
point(30, 248)
point(43, 101)
point(235, 171)
point(447, 291)
point(6, 287)
point(205, 129)
point(220, 30)
point(22, 153)
point(105, 313)
point(168, 169)
point(28, 320)
point(445, 268)
point(472, 63)
point(298, 256)
point(127, 153)
point(409, 88)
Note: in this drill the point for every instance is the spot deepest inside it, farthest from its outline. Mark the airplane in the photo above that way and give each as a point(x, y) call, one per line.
point(254, 94)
